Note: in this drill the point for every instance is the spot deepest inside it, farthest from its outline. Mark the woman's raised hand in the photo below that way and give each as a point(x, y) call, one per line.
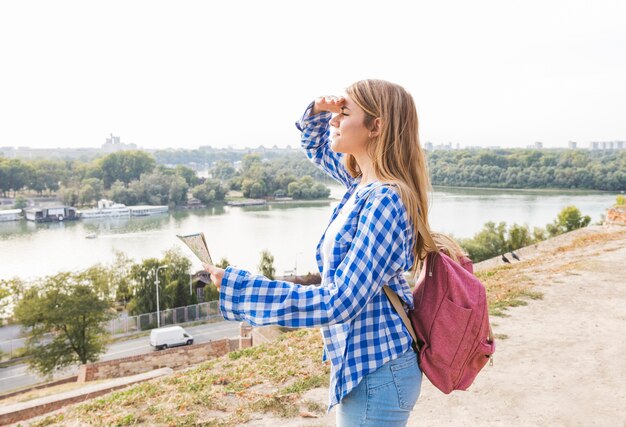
point(328, 103)
point(216, 274)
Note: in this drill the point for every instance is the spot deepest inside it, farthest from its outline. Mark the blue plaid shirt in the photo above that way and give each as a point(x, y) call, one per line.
point(360, 328)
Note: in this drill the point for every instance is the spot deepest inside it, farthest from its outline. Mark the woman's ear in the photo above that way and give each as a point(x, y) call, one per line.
point(376, 126)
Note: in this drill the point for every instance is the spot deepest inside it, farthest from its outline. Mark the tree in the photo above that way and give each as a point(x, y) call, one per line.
point(70, 194)
point(487, 243)
point(223, 170)
point(64, 319)
point(20, 202)
point(188, 174)
point(46, 175)
point(5, 294)
point(120, 194)
point(223, 263)
point(90, 191)
point(173, 283)
point(567, 220)
point(177, 277)
point(161, 187)
point(519, 236)
point(125, 166)
point(266, 266)
point(143, 289)
point(14, 175)
point(211, 190)
point(120, 277)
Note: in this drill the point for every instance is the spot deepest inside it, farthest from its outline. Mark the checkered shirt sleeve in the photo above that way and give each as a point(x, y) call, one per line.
point(376, 254)
point(315, 139)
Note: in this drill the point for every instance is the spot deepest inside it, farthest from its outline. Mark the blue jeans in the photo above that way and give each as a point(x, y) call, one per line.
point(384, 397)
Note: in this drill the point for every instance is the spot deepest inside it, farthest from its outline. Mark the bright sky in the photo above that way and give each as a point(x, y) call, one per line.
point(181, 74)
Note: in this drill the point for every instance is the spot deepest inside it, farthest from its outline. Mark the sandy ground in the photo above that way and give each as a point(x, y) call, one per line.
point(564, 361)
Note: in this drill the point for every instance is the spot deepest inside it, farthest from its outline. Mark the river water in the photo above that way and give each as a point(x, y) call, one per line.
point(290, 232)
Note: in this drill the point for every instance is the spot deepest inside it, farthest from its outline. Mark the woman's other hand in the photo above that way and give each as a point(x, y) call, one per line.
point(217, 274)
point(328, 103)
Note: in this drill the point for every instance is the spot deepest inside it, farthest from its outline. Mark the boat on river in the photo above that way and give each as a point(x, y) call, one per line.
point(59, 213)
point(107, 209)
point(10, 215)
point(147, 210)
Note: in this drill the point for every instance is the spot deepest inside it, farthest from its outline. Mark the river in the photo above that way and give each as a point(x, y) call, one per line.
point(290, 231)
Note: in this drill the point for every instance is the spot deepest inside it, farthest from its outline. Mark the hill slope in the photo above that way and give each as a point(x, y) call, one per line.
point(559, 359)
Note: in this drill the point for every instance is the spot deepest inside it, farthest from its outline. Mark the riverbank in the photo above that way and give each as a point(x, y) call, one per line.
point(558, 359)
point(573, 191)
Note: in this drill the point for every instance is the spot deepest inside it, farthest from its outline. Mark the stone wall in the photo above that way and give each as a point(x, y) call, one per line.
point(175, 358)
point(616, 215)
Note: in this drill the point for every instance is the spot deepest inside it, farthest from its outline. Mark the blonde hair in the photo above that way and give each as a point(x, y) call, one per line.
point(449, 246)
point(396, 152)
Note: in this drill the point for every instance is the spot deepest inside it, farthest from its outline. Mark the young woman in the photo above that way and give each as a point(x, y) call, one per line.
point(371, 241)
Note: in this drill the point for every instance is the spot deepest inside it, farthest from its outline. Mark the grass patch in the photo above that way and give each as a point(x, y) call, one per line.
point(513, 299)
point(507, 287)
point(590, 239)
point(226, 391)
point(283, 406)
point(313, 406)
point(501, 336)
point(304, 384)
point(49, 420)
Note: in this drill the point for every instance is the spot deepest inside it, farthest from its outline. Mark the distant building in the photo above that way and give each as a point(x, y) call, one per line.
point(114, 143)
point(571, 145)
point(443, 147)
point(607, 145)
point(428, 146)
point(538, 145)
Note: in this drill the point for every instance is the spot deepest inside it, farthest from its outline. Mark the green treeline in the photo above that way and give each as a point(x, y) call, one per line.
point(134, 177)
point(166, 177)
point(515, 168)
point(497, 239)
point(279, 178)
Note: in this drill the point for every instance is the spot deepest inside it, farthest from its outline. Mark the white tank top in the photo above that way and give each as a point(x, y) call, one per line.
point(334, 227)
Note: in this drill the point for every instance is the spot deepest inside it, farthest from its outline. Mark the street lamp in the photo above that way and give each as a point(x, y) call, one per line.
point(190, 283)
point(295, 267)
point(156, 283)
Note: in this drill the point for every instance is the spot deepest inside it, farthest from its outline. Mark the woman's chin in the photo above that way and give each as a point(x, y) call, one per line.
point(335, 145)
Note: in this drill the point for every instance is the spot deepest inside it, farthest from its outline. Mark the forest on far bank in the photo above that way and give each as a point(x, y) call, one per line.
point(167, 176)
point(515, 168)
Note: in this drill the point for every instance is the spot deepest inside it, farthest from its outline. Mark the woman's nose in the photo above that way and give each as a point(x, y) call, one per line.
point(334, 122)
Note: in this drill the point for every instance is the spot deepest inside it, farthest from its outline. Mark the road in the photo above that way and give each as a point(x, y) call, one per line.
point(17, 376)
point(10, 332)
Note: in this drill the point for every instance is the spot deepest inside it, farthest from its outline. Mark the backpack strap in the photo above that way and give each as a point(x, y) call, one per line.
point(397, 305)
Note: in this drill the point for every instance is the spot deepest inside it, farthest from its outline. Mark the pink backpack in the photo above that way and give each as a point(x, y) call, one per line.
point(450, 321)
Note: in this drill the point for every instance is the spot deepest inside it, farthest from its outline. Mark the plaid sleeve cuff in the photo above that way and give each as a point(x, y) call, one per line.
point(307, 120)
point(230, 290)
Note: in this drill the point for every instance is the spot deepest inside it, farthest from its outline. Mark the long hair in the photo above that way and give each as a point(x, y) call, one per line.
point(449, 246)
point(396, 152)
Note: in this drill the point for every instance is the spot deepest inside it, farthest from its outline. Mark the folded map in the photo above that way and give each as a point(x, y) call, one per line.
point(198, 246)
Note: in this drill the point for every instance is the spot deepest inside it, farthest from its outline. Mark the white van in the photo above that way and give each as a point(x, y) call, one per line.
point(171, 336)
